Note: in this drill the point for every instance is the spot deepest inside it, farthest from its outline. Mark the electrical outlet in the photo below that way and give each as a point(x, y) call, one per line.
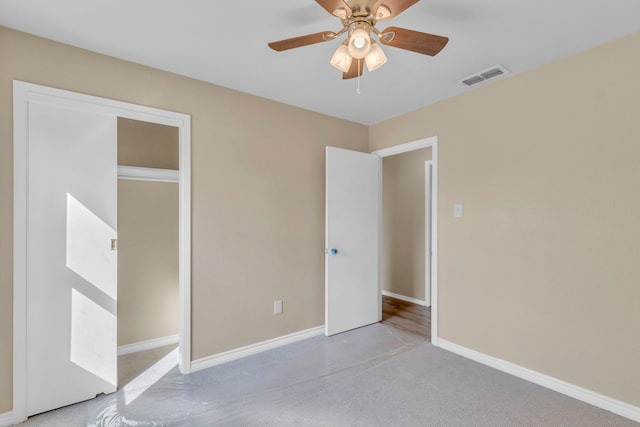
point(277, 306)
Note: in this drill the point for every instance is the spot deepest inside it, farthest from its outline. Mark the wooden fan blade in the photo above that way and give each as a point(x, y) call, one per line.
point(395, 6)
point(415, 41)
point(331, 5)
point(355, 70)
point(302, 41)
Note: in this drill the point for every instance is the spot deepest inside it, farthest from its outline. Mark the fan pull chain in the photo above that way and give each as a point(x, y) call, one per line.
point(358, 89)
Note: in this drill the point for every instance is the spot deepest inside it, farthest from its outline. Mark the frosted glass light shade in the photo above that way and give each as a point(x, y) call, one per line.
point(375, 58)
point(341, 59)
point(359, 43)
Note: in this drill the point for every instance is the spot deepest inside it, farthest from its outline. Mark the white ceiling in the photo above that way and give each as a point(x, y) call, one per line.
point(225, 42)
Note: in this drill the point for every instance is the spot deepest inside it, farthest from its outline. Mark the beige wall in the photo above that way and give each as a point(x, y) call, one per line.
point(403, 225)
point(147, 260)
point(543, 269)
point(147, 145)
point(257, 193)
point(147, 235)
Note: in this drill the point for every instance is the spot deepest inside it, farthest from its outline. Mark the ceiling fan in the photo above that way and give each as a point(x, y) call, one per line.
point(359, 18)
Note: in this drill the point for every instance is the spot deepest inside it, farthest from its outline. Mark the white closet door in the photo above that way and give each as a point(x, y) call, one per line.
point(352, 271)
point(71, 267)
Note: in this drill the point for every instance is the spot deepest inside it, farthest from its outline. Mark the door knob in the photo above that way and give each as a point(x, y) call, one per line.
point(331, 251)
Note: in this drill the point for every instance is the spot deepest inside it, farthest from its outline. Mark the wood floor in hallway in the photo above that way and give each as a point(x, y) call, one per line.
point(406, 316)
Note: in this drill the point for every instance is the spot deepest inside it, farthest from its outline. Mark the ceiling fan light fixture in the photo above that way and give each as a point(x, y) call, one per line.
point(383, 12)
point(359, 19)
point(387, 36)
point(340, 12)
point(359, 42)
point(375, 58)
point(341, 59)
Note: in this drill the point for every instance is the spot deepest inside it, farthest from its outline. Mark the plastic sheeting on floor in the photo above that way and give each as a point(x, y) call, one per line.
point(249, 390)
point(372, 376)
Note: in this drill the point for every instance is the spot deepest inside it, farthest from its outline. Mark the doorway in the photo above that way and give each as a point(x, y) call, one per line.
point(358, 273)
point(417, 217)
point(406, 233)
point(26, 98)
point(148, 270)
point(406, 193)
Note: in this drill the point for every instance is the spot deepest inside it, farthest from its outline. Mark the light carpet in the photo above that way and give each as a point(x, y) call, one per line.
point(372, 376)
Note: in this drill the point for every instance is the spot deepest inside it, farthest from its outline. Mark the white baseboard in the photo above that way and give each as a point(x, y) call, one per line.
point(587, 396)
point(239, 353)
point(404, 298)
point(147, 345)
point(6, 419)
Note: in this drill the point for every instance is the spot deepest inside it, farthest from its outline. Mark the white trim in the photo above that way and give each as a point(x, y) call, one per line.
point(582, 394)
point(20, 114)
point(23, 94)
point(404, 148)
point(434, 242)
point(137, 173)
point(404, 298)
point(380, 241)
point(184, 247)
point(428, 166)
point(6, 419)
point(239, 353)
point(147, 345)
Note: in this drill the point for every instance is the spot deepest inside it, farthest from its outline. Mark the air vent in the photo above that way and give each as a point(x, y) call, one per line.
point(484, 76)
point(473, 80)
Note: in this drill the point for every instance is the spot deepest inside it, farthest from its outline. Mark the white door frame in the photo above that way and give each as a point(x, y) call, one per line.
point(405, 148)
point(23, 93)
point(428, 201)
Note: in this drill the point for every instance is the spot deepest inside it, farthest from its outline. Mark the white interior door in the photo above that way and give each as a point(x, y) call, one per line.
point(71, 268)
point(352, 272)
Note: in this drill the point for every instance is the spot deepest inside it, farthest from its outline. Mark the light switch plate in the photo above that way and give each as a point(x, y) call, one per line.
point(457, 210)
point(277, 306)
